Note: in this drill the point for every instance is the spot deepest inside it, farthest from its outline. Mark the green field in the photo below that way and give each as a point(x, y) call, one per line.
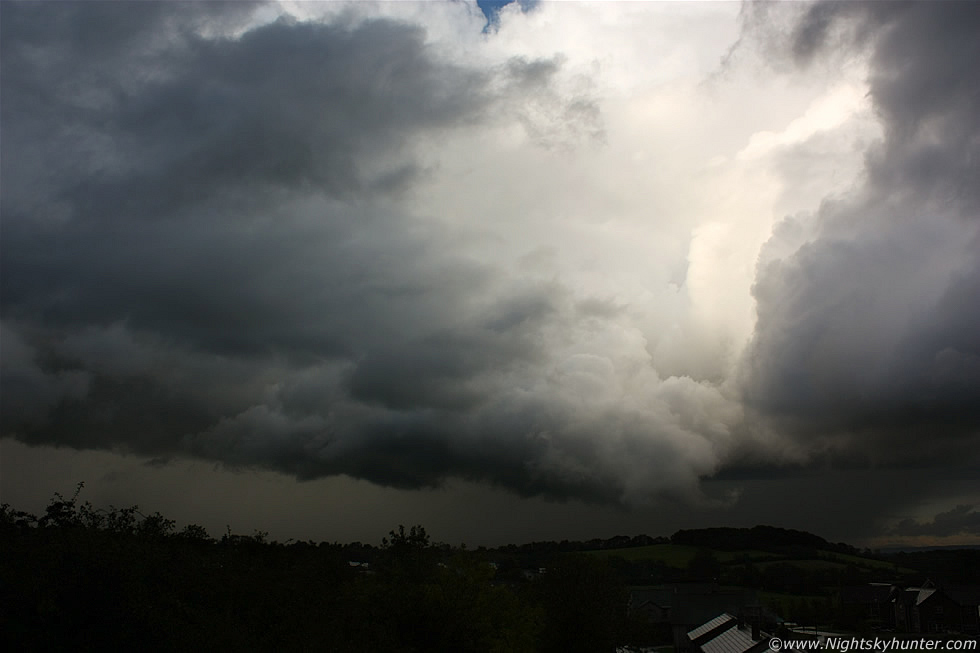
point(672, 555)
point(866, 563)
point(680, 555)
point(784, 604)
point(776, 598)
point(808, 564)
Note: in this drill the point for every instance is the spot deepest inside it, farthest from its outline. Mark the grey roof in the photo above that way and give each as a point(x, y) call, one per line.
point(907, 596)
point(704, 629)
point(923, 595)
point(733, 640)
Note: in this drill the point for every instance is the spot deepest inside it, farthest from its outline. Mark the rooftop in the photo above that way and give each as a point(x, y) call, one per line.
point(723, 620)
point(734, 640)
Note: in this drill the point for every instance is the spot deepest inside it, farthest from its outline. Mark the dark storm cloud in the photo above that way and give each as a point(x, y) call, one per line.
point(438, 369)
point(868, 333)
point(204, 252)
point(961, 520)
point(165, 198)
point(214, 245)
point(285, 105)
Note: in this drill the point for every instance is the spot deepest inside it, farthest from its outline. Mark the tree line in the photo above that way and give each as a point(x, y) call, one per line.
point(82, 578)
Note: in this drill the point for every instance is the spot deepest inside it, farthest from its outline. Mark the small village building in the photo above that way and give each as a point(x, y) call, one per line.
point(729, 634)
point(928, 609)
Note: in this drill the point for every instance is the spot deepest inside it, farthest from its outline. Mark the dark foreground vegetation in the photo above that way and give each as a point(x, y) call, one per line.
point(81, 578)
point(78, 578)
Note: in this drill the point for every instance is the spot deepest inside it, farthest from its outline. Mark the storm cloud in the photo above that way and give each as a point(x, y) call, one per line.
point(867, 342)
point(958, 520)
point(376, 241)
point(208, 251)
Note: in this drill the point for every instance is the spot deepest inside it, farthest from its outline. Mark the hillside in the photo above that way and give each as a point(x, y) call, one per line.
point(98, 579)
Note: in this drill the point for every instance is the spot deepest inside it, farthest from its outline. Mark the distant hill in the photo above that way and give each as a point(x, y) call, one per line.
point(761, 538)
point(888, 550)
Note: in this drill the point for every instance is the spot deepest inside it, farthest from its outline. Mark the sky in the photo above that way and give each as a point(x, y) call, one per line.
point(539, 270)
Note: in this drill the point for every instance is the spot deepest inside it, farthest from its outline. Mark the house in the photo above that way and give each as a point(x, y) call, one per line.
point(869, 604)
point(685, 606)
point(708, 631)
point(746, 633)
point(968, 598)
point(728, 634)
point(358, 565)
point(928, 609)
point(652, 603)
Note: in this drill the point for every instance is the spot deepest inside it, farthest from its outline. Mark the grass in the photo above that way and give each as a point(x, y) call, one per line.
point(672, 555)
point(809, 564)
point(680, 555)
point(770, 598)
point(866, 563)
